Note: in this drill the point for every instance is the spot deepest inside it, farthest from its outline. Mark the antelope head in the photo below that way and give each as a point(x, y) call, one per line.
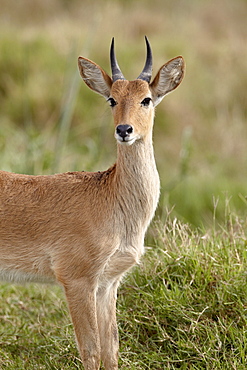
point(132, 102)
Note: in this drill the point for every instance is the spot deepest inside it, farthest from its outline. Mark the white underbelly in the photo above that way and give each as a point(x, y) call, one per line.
point(17, 276)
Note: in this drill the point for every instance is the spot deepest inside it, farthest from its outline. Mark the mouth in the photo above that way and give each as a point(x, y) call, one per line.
point(127, 140)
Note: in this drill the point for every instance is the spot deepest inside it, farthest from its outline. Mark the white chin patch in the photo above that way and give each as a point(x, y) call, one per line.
point(127, 140)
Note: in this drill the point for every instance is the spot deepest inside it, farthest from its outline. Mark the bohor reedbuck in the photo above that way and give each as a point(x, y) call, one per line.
point(85, 230)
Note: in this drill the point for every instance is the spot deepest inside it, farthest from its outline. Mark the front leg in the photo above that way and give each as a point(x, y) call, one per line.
point(118, 264)
point(107, 323)
point(81, 298)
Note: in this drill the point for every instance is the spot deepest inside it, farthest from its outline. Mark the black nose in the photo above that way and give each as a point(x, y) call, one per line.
point(124, 130)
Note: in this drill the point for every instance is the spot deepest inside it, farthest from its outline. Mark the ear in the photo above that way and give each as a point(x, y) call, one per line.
point(95, 77)
point(167, 79)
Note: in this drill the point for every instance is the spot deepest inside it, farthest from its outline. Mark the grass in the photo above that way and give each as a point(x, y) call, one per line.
point(192, 297)
point(35, 332)
point(184, 307)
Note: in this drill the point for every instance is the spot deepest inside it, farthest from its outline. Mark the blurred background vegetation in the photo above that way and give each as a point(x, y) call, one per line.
point(51, 122)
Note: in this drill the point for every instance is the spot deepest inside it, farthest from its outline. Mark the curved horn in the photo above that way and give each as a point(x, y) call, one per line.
point(116, 72)
point(146, 74)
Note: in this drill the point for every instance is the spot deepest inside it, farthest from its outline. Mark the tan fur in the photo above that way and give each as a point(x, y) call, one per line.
point(85, 230)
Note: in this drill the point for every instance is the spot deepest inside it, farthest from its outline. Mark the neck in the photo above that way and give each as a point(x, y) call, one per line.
point(137, 177)
point(136, 159)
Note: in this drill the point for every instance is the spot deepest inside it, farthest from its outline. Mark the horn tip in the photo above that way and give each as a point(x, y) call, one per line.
point(116, 72)
point(147, 43)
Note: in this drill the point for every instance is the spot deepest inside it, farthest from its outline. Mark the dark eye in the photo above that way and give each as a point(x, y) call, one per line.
point(146, 102)
point(112, 102)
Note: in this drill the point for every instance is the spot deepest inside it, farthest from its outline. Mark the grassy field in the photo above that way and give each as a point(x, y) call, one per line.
point(185, 306)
